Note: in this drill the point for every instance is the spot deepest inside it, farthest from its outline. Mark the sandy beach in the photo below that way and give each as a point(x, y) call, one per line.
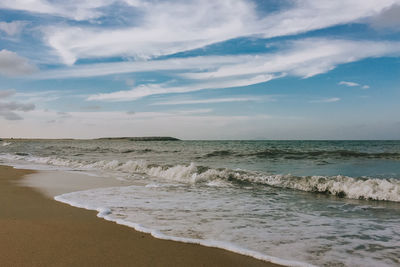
point(38, 231)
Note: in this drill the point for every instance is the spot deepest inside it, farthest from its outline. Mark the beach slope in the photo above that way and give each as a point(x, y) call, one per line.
point(38, 231)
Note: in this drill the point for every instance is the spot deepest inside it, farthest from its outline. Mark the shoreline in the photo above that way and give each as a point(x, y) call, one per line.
point(38, 231)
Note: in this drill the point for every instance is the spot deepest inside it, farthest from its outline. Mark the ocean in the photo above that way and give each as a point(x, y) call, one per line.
point(299, 203)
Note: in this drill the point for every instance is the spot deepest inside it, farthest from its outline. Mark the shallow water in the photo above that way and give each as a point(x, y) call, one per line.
point(310, 202)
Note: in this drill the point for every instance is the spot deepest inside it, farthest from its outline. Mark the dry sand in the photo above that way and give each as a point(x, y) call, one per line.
point(38, 231)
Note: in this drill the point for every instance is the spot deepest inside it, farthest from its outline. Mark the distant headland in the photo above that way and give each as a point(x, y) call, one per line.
point(146, 138)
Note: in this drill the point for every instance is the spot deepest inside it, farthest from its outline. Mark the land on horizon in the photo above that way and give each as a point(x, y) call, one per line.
point(133, 138)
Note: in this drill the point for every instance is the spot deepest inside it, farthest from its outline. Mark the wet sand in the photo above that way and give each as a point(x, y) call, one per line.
point(38, 231)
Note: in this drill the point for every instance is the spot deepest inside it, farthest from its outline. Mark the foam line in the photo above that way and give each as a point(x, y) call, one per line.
point(105, 214)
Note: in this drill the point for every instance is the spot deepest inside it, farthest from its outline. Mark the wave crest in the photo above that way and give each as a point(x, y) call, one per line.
point(341, 186)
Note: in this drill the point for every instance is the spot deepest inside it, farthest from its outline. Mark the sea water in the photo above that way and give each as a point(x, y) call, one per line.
point(325, 203)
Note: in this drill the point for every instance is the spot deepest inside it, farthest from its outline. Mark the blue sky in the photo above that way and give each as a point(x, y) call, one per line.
point(200, 69)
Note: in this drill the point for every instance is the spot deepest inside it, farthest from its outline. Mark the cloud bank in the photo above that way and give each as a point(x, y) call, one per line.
point(389, 18)
point(11, 64)
point(7, 109)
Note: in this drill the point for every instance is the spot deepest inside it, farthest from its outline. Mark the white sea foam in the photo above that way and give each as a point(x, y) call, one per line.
point(342, 186)
point(105, 214)
point(356, 188)
point(257, 222)
point(5, 143)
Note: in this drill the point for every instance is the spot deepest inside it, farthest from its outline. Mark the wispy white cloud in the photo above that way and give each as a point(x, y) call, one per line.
point(154, 89)
point(193, 111)
point(12, 28)
point(73, 9)
point(353, 84)
point(176, 64)
point(326, 100)
point(38, 97)
point(306, 58)
point(308, 15)
point(207, 101)
point(169, 27)
point(11, 64)
point(350, 84)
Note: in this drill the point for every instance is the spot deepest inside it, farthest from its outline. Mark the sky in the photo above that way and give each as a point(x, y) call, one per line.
point(200, 69)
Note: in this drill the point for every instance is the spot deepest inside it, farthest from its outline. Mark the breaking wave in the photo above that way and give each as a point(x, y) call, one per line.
point(341, 186)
